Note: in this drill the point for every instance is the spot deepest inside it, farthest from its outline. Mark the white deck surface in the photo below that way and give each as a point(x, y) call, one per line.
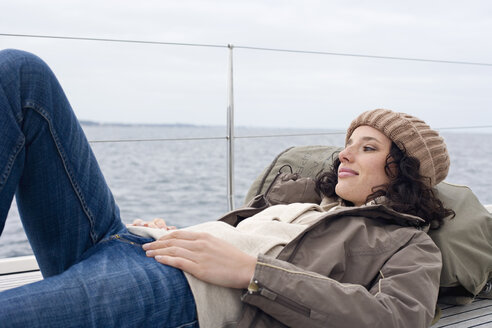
point(18, 279)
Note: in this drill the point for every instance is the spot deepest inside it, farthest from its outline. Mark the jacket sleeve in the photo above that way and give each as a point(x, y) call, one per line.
point(403, 295)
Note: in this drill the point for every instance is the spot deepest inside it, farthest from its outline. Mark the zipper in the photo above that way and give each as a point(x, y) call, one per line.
point(118, 237)
point(280, 299)
point(286, 302)
point(294, 306)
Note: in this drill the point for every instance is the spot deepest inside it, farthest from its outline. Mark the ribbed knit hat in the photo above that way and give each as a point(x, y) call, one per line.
point(411, 135)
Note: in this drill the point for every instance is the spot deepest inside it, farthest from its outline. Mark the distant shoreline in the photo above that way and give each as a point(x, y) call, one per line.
point(190, 125)
point(94, 123)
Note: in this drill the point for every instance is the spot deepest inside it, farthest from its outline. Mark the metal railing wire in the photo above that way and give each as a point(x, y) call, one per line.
point(77, 38)
point(259, 136)
point(312, 52)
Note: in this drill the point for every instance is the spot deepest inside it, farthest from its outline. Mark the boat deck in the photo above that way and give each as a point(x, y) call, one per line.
point(18, 271)
point(477, 314)
point(8, 281)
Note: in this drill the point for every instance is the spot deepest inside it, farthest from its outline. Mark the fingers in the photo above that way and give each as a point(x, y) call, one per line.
point(157, 223)
point(163, 244)
point(177, 262)
point(184, 239)
point(185, 234)
point(173, 252)
point(136, 222)
point(179, 243)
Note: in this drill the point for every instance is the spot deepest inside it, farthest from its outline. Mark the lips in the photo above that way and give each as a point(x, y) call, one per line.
point(344, 172)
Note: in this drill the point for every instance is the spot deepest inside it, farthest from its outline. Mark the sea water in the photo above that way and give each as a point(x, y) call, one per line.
point(184, 182)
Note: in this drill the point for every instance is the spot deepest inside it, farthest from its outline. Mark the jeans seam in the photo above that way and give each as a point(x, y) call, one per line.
point(10, 163)
point(44, 114)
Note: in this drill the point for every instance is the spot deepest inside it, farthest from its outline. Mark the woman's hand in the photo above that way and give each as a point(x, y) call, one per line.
point(204, 256)
point(157, 223)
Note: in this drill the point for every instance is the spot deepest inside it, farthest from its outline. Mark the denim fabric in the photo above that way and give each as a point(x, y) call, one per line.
point(96, 273)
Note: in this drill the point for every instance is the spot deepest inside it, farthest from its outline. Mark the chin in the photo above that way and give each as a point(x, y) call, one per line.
point(343, 192)
point(345, 196)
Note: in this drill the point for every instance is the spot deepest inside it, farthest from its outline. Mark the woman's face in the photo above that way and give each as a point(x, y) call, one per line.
point(362, 164)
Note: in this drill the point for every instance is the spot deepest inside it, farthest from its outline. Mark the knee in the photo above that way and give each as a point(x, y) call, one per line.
point(17, 60)
point(14, 55)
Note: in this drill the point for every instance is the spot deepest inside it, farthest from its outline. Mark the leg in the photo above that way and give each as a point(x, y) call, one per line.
point(64, 202)
point(115, 286)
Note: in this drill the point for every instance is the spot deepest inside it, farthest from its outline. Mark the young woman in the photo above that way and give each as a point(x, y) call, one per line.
point(359, 258)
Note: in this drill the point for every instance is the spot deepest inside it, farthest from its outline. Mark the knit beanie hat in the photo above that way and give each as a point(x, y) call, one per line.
point(412, 135)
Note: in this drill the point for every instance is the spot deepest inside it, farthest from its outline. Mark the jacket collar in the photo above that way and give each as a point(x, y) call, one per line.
point(377, 208)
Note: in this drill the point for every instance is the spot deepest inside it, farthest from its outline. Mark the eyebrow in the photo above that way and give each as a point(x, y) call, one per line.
point(366, 138)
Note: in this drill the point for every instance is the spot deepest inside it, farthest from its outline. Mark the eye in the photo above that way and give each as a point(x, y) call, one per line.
point(368, 148)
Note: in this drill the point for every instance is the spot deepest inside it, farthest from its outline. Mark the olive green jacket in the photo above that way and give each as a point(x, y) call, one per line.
point(363, 266)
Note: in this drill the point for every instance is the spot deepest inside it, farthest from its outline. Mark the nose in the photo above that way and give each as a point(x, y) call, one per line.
point(345, 156)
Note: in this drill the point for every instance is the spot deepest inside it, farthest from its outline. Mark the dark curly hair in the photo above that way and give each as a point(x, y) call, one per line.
point(407, 192)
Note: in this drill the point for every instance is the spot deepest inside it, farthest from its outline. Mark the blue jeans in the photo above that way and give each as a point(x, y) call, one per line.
point(96, 273)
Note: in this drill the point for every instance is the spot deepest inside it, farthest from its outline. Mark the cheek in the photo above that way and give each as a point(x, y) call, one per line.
point(379, 176)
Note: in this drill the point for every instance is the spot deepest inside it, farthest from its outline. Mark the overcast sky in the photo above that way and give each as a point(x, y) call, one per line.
point(135, 83)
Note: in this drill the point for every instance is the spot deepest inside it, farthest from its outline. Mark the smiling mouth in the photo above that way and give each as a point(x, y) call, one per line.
point(345, 173)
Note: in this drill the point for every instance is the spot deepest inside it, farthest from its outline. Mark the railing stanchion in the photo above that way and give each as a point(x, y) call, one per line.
point(230, 135)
